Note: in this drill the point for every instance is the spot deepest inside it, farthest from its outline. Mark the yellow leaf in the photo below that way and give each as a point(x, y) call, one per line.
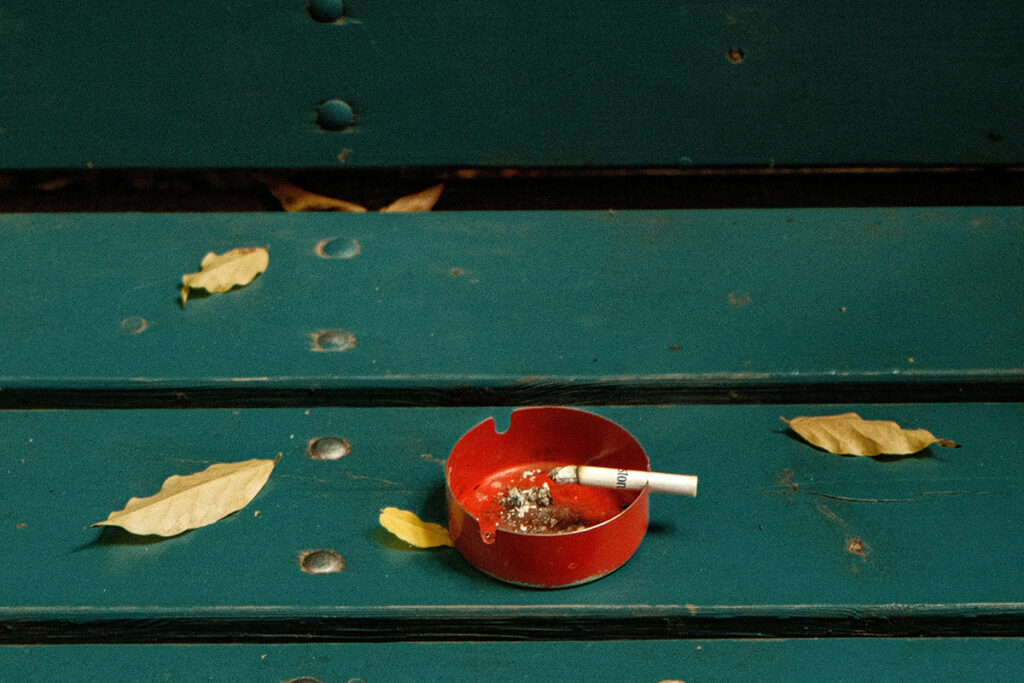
point(194, 500)
point(294, 198)
point(221, 272)
point(421, 201)
point(411, 529)
point(849, 434)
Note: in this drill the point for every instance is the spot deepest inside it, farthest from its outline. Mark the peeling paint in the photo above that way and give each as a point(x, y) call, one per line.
point(858, 546)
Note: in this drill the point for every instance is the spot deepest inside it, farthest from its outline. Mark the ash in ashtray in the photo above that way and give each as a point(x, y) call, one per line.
point(530, 510)
point(523, 500)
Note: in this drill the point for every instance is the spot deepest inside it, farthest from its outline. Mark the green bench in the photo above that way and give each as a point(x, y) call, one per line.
point(696, 330)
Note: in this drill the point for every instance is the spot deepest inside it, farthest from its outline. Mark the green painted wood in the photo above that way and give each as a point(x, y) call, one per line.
point(559, 307)
point(715, 660)
point(199, 84)
point(783, 540)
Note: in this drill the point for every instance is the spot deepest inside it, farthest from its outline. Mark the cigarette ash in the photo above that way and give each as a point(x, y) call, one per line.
point(522, 501)
point(531, 510)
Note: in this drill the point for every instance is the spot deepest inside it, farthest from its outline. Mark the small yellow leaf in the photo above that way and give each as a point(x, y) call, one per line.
point(221, 272)
point(411, 529)
point(194, 500)
point(420, 201)
point(849, 434)
point(294, 198)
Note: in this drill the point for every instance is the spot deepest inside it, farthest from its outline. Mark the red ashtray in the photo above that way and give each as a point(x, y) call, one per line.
point(511, 521)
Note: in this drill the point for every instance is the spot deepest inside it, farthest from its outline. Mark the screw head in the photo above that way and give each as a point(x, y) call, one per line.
point(332, 340)
point(326, 11)
point(321, 561)
point(328, 448)
point(334, 115)
point(338, 247)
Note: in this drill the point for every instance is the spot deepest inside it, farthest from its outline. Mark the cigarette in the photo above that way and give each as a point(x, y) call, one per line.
point(611, 478)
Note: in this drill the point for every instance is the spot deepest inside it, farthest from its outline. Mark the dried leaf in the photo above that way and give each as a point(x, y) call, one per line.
point(294, 198)
point(221, 272)
point(194, 500)
point(411, 529)
point(849, 434)
point(420, 201)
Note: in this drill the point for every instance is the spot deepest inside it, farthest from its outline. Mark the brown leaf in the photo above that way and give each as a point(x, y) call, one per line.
point(413, 203)
point(294, 198)
point(221, 272)
point(411, 529)
point(849, 434)
point(194, 500)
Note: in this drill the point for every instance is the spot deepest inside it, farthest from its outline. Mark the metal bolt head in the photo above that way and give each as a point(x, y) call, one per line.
point(334, 115)
point(328, 448)
point(326, 11)
point(338, 247)
point(333, 340)
point(321, 561)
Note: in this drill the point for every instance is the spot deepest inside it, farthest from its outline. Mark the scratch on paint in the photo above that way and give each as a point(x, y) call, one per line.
point(363, 477)
point(785, 478)
point(830, 515)
point(912, 499)
point(847, 499)
point(430, 458)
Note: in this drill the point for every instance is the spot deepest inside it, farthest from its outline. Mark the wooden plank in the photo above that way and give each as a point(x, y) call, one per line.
point(762, 83)
point(714, 660)
point(561, 307)
point(783, 539)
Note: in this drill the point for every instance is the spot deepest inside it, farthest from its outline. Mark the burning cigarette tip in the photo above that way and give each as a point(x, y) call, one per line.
point(564, 475)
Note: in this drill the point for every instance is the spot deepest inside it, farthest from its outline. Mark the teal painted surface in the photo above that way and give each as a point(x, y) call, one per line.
point(718, 660)
point(519, 299)
point(768, 535)
point(198, 84)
